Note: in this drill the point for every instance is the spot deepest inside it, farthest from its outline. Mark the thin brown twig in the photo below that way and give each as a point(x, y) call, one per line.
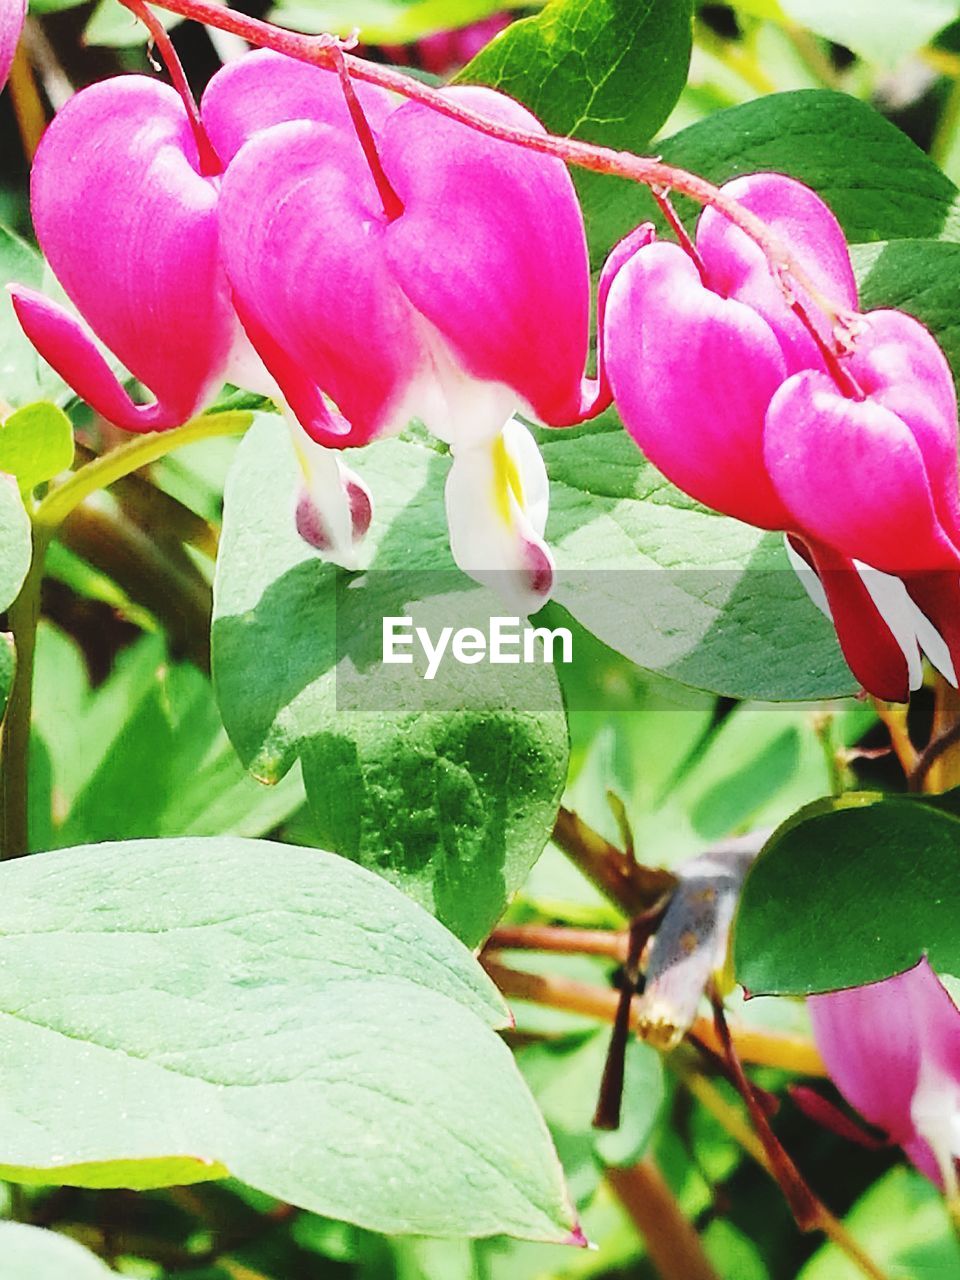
point(673, 1245)
point(547, 937)
point(734, 1125)
point(629, 885)
point(929, 756)
point(760, 1048)
point(894, 717)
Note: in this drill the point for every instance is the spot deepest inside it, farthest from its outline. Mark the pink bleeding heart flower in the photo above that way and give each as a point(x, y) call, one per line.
point(125, 194)
point(750, 410)
point(443, 278)
point(893, 1051)
point(12, 14)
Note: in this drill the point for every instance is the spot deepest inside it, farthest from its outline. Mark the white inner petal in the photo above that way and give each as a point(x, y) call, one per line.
point(935, 1112)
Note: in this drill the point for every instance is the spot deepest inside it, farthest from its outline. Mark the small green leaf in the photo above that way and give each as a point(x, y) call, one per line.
point(29, 1253)
point(177, 1009)
point(827, 904)
point(36, 444)
point(15, 541)
point(448, 788)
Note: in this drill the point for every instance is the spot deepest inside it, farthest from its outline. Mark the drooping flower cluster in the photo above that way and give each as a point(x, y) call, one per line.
point(893, 1051)
point(365, 265)
point(743, 401)
point(435, 274)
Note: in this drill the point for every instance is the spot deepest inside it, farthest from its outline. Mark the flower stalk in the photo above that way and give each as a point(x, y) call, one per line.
point(324, 52)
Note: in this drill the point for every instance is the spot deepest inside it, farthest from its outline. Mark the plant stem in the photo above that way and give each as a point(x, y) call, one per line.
point(673, 1245)
point(630, 886)
point(27, 103)
point(547, 937)
point(24, 615)
point(937, 768)
point(131, 456)
point(760, 1048)
point(730, 1120)
point(324, 51)
point(894, 717)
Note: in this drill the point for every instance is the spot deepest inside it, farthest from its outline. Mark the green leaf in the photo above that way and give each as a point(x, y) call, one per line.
point(24, 377)
point(30, 1253)
point(825, 905)
point(177, 1009)
point(676, 588)
point(916, 276)
point(879, 184)
point(609, 72)
point(565, 1077)
point(448, 788)
point(884, 34)
point(903, 1224)
point(15, 541)
point(36, 444)
point(386, 21)
point(145, 754)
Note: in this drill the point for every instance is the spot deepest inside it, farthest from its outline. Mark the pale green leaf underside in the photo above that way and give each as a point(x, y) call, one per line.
point(29, 1253)
point(275, 1012)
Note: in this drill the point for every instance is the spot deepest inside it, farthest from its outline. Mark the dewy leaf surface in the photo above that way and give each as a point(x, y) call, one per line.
point(29, 1253)
point(174, 1010)
point(448, 788)
point(849, 892)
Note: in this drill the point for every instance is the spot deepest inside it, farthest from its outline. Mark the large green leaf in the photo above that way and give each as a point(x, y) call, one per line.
point(609, 71)
point(674, 587)
point(849, 892)
point(173, 1010)
point(30, 1253)
point(880, 184)
point(450, 787)
point(15, 541)
point(144, 754)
